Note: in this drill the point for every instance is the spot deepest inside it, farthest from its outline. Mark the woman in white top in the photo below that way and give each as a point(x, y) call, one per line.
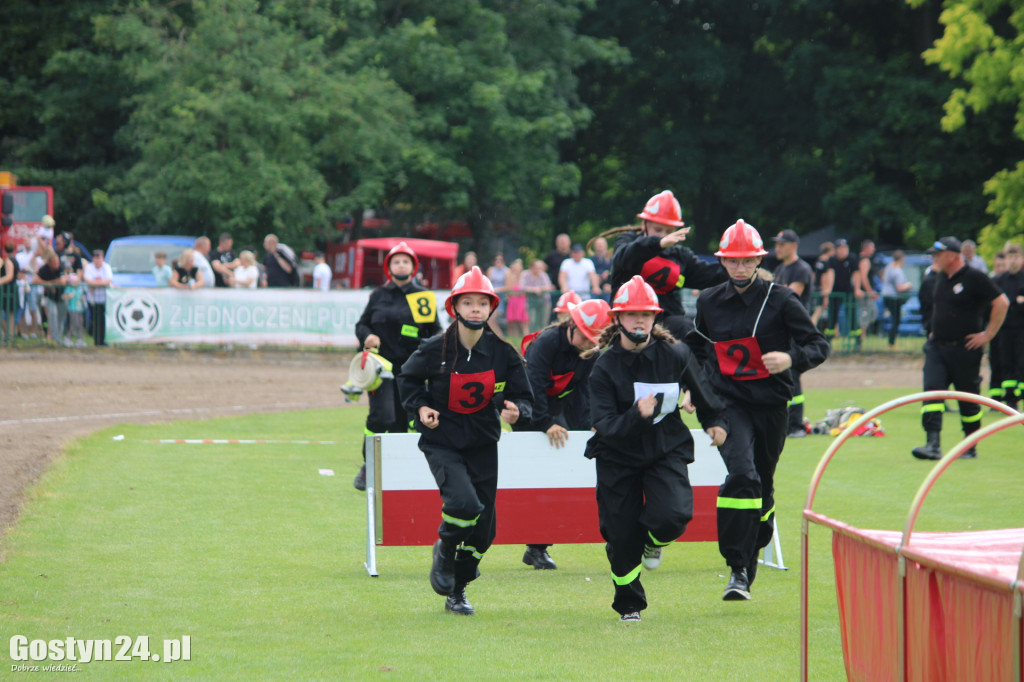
point(247, 275)
point(894, 283)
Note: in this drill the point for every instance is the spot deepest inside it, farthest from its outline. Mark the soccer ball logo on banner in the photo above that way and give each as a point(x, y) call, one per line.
point(137, 315)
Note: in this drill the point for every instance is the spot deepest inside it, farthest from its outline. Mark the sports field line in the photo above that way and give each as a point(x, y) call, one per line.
point(146, 413)
point(238, 441)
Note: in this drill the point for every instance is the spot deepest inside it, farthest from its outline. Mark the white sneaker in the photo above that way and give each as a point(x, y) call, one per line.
point(652, 557)
point(80, 343)
point(632, 617)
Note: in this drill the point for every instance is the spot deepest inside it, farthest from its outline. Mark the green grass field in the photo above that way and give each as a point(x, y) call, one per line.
point(258, 558)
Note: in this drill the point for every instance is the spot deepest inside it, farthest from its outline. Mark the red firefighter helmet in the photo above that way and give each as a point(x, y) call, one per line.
point(740, 241)
point(663, 208)
point(591, 317)
point(635, 295)
point(472, 282)
point(562, 306)
point(401, 247)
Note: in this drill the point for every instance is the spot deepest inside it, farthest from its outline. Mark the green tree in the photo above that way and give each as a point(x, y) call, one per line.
point(983, 47)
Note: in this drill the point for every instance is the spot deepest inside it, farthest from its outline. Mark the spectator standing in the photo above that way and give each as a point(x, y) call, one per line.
point(553, 262)
point(577, 273)
point(74, 299)
point(31, 316)
point(952, 353)
point(750, 333)
point(201, 251)
point(517, 318)
point(795, 273)
point(641, 446)
point(282, 269)
point(825, 252)
point(837, 284)
point(322, 274)
point(98, 277)
point(187, 274)
point(468, 261)
point(602, 266)
point(894, 286)
point(498, 274)
point(51, 276)
point(969, 250)
point(655, 251)
point(1011, 335)
point(46, 230)
point(537, 286)
point(224, 261)
point(458, 384)
point(70, 257)
point(247, 274)
point(161, 270)
point(9, 290)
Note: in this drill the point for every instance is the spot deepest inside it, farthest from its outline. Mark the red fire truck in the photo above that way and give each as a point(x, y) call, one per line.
point(23, 209)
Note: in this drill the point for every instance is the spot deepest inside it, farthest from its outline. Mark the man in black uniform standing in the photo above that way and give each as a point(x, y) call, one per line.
point(837, 289)
point(1011, 336)
point(957, 338)
point(795, 273)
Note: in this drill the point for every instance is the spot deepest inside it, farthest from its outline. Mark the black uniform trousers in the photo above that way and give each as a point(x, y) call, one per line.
point(386, 413)
point(796, 405)
point(468, 481)
point(636, 506)
point(1011, 362)
point(945, 363)
point(995, 367)
point(746, 500)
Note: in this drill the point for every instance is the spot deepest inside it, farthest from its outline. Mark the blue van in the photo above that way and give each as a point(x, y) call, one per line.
point(131, 258)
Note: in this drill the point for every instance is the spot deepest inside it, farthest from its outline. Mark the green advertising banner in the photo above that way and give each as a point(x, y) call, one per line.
point(300, 317)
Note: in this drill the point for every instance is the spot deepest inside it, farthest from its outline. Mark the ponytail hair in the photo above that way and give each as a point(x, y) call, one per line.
point(614, 231)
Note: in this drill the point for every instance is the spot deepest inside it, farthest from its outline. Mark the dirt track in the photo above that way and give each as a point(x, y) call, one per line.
point(51, 396)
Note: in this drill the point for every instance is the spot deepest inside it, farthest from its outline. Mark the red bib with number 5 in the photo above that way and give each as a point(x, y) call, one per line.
point(740, 359)
point(469, 393)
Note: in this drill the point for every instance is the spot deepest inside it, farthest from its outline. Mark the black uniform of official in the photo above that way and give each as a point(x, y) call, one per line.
point(958, 305)
point(797, 271)
point(668, 271)
point(841, 295)
point(465, 386)
point(755, 407)
point(643, 487)
point(1010, 346)
point(401, 316)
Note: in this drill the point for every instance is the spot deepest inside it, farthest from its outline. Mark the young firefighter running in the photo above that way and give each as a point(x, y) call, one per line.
point(749, 333)
point(642, 446)
point(397, 316)
point(453, 383)
point(559, 378)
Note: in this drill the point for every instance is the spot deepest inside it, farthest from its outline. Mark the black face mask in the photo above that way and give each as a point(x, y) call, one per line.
point(742, 283)
point(474, 325)
point(401, 279)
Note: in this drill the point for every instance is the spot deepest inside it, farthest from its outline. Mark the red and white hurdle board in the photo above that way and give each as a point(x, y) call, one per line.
point(545, 495)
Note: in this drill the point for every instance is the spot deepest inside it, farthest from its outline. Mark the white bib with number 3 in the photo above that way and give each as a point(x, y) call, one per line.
point(667, 394)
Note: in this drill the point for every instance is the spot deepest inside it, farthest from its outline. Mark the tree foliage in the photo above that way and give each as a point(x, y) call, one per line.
point(983, 44)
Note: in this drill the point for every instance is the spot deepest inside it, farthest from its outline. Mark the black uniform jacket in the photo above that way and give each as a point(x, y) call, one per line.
point(469, 390)
point(557, 374)
point(389, 315)
point(1012, 285)
point(723, 314)
point(622, 435)
point(666, 270)
point(961, 304)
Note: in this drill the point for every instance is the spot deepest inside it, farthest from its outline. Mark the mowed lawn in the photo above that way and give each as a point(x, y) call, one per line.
point(257, 557)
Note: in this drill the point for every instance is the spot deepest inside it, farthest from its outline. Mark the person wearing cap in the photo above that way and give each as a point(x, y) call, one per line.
point(640, 445)
point(795, 273)
point(398, 315)
point(559, 377)
point(657, 254)
point(837, 290)
point(577, 273)
point(98, 277)
point(751, 335)
point(457, 385)
point(956, 342)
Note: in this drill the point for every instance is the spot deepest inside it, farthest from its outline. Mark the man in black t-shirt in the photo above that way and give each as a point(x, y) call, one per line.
point(223, 261)
point(837, 289)
point(279, 263)
point(956, 342)
point(553, 261)
point(795, 273)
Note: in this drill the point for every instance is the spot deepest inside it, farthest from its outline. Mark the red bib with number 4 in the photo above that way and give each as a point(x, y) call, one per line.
point(469, 393)
point(740, 359)
point(662, 274)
